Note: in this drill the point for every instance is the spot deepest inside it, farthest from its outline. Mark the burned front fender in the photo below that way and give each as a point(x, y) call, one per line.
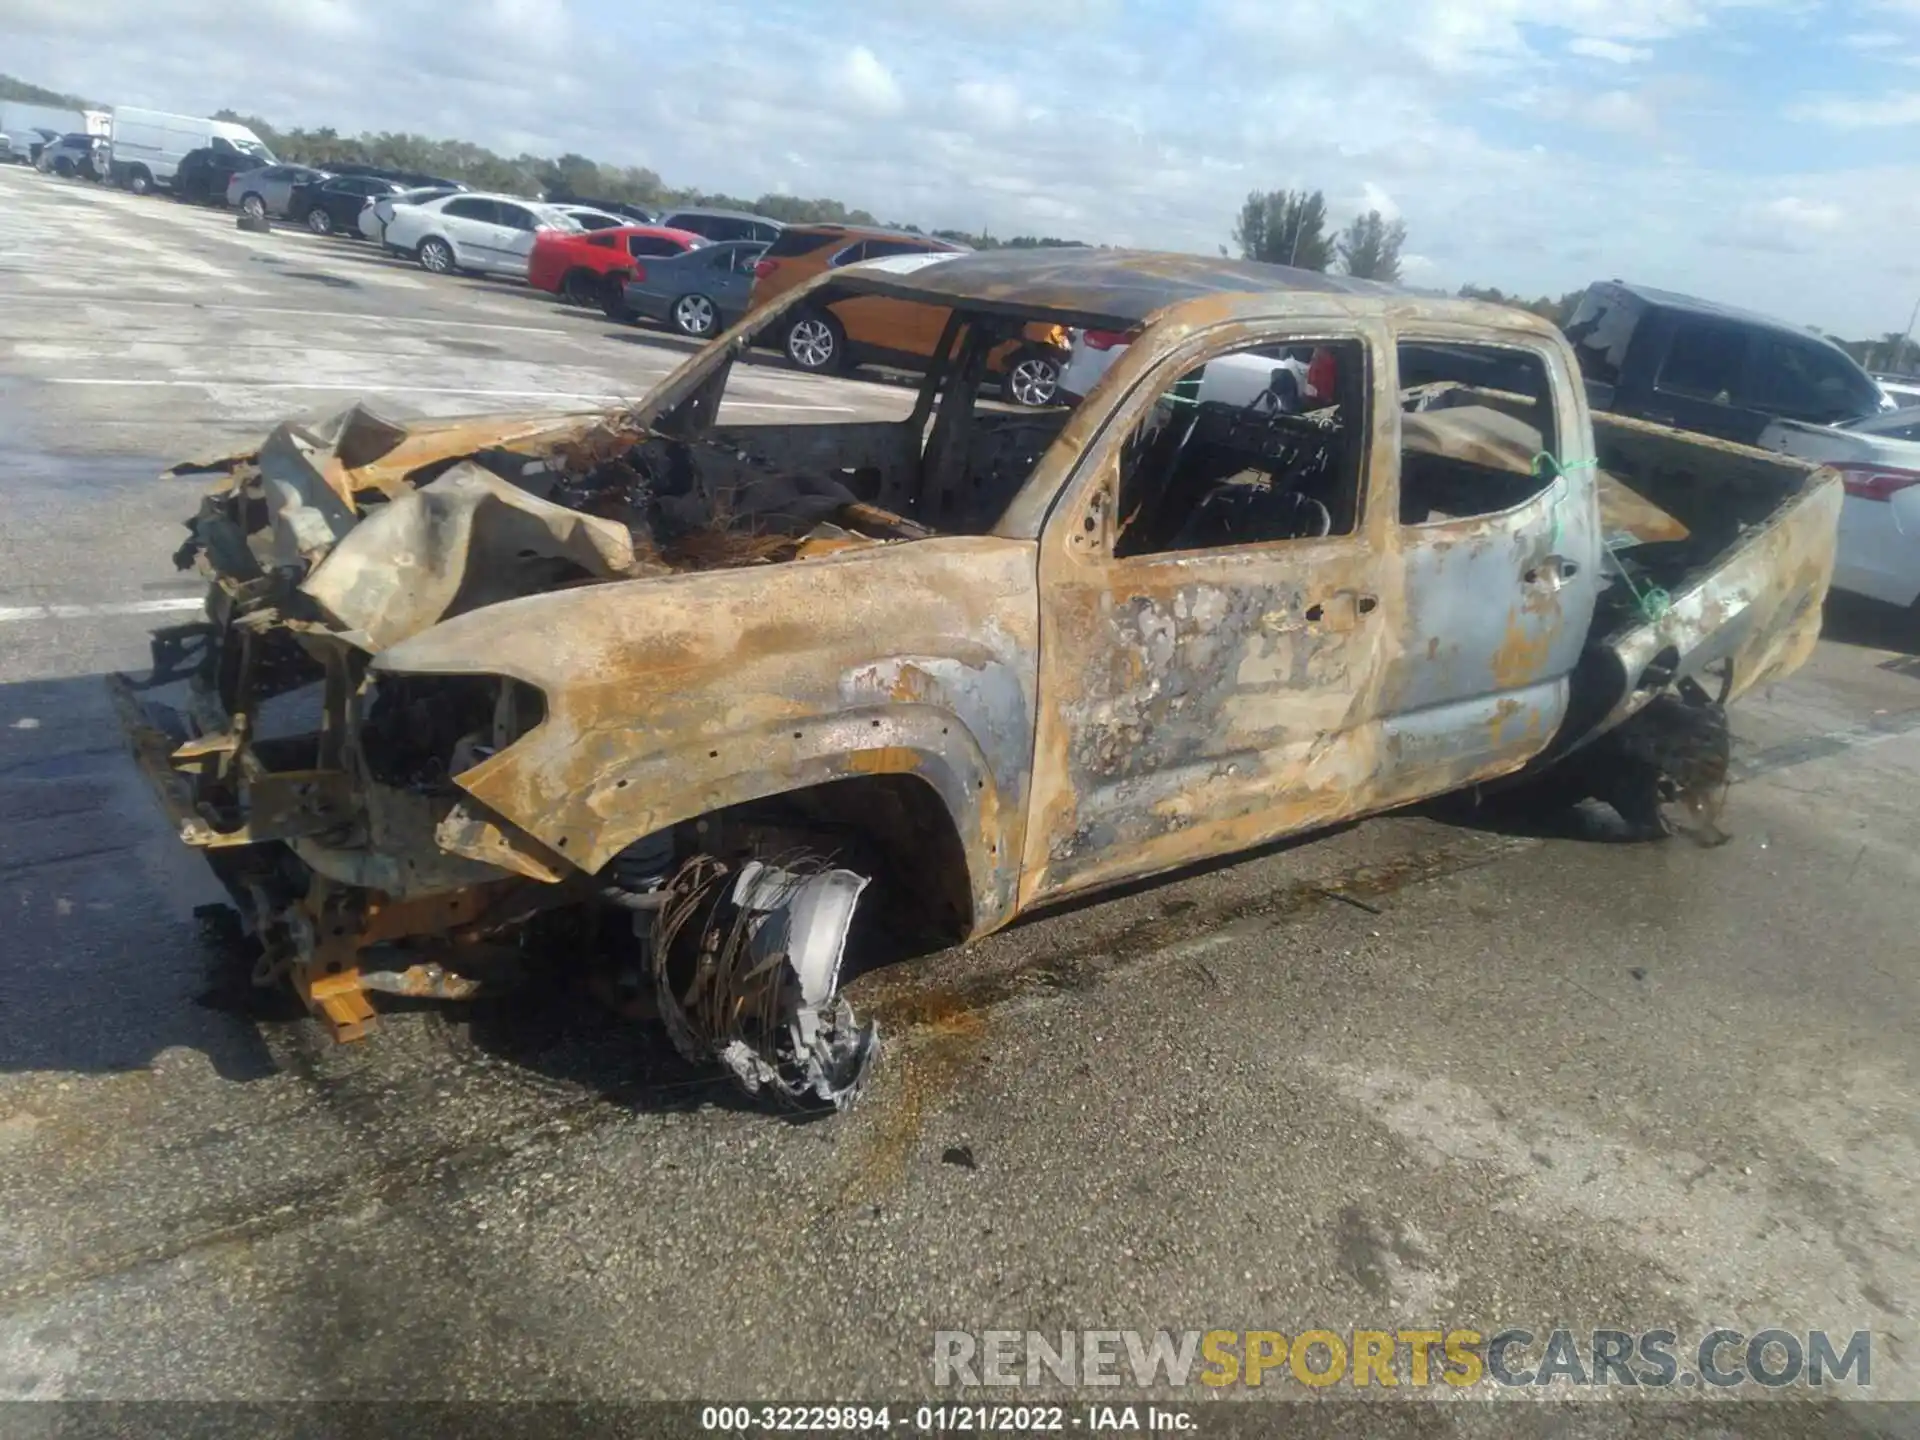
point(669, 698)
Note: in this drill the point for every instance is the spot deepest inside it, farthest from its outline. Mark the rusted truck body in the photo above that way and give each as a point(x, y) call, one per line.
point(473, 693)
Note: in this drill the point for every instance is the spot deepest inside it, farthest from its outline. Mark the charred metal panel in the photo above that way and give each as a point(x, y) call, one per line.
point(1753, 617)
point(670, 698)
point(1198, 703)
point(462, 542)
point(1498, 603)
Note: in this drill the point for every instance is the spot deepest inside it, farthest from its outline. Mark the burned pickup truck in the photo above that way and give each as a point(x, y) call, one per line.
point(472, 696)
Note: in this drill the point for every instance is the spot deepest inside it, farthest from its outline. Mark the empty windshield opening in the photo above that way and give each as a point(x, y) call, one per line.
point(914, 415)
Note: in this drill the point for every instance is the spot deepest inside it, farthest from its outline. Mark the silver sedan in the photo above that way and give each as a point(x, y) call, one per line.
point(269, 190)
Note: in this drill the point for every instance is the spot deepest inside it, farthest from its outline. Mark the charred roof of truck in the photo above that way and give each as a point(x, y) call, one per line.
point(1080, 285)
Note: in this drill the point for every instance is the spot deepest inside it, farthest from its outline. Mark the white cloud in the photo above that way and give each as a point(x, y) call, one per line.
point(1614, 51)
point(1784, 225)
point(1462, 39)
point(1820, 215)
point(1845, 112)
point(1375, 197)
point(1477, 121)
point(1625, 112)
point(1874, 40)
point(868, 85)
point(989, 104)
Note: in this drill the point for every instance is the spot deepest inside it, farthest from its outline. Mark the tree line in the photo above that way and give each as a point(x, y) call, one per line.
point(27, 94)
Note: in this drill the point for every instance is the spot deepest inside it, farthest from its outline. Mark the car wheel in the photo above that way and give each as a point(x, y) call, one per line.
point(581, 287)
point(816, 343)
point(436, 256)
point(1033, 379)
point(319, 221)
point(253, 205)
point(63, 167)
point(139, 182)
point(695, 315)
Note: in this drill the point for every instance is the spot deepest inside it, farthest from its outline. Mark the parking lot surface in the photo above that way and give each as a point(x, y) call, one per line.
point(1424, 1071)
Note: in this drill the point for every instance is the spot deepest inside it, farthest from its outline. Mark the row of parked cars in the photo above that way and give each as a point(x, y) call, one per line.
point(1651, 354)
point(695, 271)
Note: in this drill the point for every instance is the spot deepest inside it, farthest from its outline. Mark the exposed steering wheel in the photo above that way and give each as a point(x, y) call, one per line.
point(1313, 520)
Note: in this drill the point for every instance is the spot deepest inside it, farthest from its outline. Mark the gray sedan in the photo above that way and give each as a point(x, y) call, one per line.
point(700, 292)
point(269, 190)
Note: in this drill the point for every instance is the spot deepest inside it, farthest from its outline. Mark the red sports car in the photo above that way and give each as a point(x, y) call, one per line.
point(580, 266)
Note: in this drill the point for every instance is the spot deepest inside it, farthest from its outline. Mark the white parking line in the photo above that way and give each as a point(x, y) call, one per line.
point(602, 398)
point(12, 614)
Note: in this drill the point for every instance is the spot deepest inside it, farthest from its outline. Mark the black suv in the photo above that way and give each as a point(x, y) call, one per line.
point(203, 173)
point(405, 179)
point(1710, 368)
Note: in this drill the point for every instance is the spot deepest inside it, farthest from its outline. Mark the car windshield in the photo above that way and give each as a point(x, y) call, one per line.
point(256, 150)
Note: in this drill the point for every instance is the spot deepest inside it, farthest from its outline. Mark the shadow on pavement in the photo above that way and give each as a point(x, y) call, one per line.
point(119, 945)
point(1528, 813)
point(102, 960)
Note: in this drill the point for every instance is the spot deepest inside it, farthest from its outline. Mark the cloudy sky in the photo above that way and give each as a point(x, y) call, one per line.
point(1764, 152)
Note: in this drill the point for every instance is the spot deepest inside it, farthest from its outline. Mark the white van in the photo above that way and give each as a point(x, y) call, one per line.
point(148, 145)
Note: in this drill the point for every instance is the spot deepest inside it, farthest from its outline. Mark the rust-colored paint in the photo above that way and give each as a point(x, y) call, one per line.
point(1521, 653)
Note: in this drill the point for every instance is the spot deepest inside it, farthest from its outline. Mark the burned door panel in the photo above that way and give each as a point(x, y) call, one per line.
point(1502, 558)
point(1200, 700)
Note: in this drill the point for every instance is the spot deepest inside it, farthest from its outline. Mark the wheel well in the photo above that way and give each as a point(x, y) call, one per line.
point(895, 828)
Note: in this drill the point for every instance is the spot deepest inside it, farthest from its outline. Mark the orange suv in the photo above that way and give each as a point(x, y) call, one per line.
point(875, 329)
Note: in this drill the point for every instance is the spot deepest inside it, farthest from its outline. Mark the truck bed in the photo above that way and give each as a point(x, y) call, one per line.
point(1736, 603)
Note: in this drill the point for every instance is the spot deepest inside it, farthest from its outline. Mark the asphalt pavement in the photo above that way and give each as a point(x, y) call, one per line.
point(1426, 1071)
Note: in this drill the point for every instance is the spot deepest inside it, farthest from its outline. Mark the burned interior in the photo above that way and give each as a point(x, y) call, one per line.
point(1201, 473)
point(690, 693)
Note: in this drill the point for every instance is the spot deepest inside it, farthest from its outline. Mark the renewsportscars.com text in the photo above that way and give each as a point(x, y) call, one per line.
point(1514, 1356)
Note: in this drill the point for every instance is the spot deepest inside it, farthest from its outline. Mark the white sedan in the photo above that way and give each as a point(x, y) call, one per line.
point(1879, 459)
point(487, 234)
point(1231, 380)
point(374, 217)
